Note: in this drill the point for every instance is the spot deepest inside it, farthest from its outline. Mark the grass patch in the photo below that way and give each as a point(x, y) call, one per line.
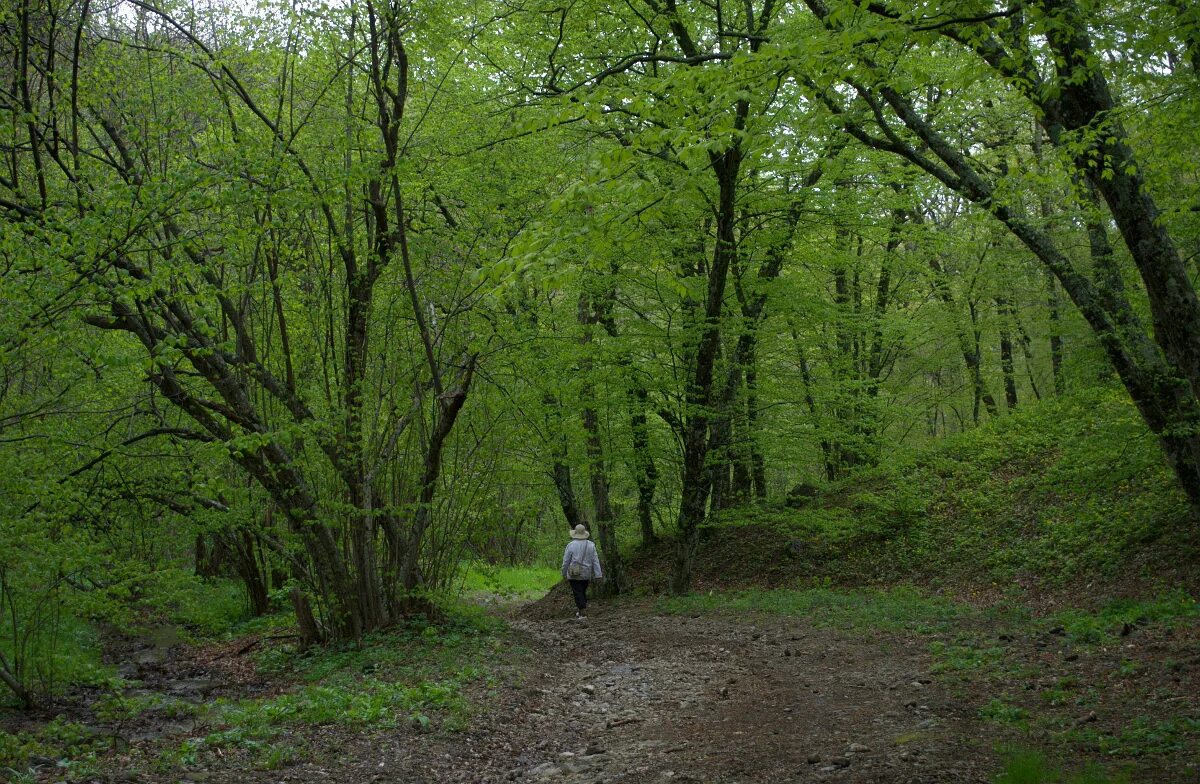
point(509, 582)
point(1173, 610)
point(999, 711)
point(364, 702)
point(1032, 767)
point(1143, 736)
point(206, 608)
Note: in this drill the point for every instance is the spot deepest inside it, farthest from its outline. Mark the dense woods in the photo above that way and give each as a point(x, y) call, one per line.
point(332, 298)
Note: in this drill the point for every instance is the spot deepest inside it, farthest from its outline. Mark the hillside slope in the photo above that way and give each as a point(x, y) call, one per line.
point(1070, 495)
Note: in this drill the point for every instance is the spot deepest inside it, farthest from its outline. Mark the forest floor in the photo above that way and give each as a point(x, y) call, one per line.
point(794, 687)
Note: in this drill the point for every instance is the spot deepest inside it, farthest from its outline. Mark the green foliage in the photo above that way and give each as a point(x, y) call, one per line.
point(55, 654)
point(1001, 712)
point(207, 608)
point(358, 701)
point(1141, 736)
point(510, 582)
point(71, 743)
point(1173, 609)
point(1032, 767)
point(413, 676)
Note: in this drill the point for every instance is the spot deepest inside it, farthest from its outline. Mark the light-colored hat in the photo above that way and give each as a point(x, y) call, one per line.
point(579, 532)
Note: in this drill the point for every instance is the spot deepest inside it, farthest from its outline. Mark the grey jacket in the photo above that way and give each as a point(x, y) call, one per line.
point(583, 552)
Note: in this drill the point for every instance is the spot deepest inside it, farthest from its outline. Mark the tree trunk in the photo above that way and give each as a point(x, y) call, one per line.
point(699, 394)
point(589, 316)
point(1086, 106)
point(20, 690)
point(1007, 362)
point(251, 571)
point(644, 471)
point(968, 343)
point(1053, 306)
point(310, 631)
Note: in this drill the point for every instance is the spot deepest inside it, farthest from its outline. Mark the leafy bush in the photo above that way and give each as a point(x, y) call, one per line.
point(207, 608)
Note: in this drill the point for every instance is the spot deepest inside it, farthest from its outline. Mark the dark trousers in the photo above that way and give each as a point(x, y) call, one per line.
point(579, 588)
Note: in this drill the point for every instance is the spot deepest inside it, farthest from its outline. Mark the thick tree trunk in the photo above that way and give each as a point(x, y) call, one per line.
point(726, 166)
point(1086, 106)
point(560, 468)
point(560, 472)
point(698, 398)
point(306, 622)
point(605, 528)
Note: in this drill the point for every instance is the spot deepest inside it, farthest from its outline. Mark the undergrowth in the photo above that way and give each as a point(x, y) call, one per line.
point(1026, 766)
point(1069, 489)
point(507, 582)
point(416, 676)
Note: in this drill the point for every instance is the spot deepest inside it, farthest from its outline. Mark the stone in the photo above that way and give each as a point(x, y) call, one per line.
point(857, 748)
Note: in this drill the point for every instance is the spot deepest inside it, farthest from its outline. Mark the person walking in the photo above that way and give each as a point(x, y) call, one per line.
point(580, 566)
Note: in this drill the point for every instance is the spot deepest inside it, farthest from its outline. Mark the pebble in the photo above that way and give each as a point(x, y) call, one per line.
point(857, 748)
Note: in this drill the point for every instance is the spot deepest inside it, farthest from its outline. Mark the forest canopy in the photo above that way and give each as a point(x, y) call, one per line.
point(335, 297)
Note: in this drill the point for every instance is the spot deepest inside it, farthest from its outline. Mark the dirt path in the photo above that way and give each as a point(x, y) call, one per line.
point(639, 697)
